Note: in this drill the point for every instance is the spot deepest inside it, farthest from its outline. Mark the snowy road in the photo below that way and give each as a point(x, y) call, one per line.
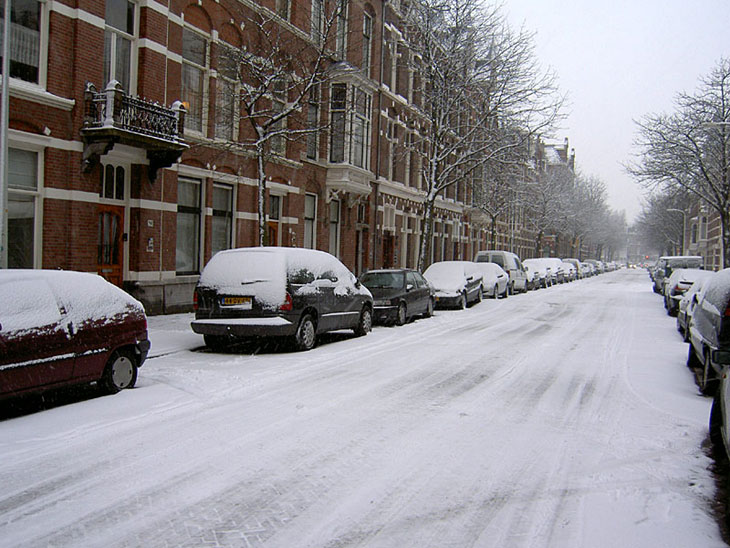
point(561, 418)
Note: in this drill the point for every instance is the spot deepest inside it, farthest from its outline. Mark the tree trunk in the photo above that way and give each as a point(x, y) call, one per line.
point(725, 239)
point(538, 244)
point(427, 234)
point(261, 193)
point(493, 233)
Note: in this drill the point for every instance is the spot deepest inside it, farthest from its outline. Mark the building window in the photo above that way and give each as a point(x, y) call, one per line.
point(335, 228)
point(282, 9)
point(274, 220)
point(313, 123)
point(694, 233)
point(341, 41)
point(310, 221)
point(358, 138)
point(194, 73)
point(278, 102)
point(361, 128)
point(187, 250)
point(112, 182)
point(25, 39)
point(118, 42)
point(338, 115)
point(226, 94)
point(222, 222)
point(22, 206)
point(703, 228)
point(317, 22)
point(367, 38)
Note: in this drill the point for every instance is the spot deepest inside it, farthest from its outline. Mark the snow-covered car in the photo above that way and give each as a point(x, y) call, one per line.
point(588, 269)
point(495, 281)
point(676, 286)
point(579, 273)
point(709, 331)
point(665, 265)
point(510, 263)
point(542, 275)
point(687, 303)
point(556, 268)
point(569, 271)
point(61, 327)
point(399, 295)
point(278, 292)
point(457, 283)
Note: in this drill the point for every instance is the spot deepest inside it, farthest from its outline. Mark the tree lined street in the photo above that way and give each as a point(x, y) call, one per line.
point(562, 417)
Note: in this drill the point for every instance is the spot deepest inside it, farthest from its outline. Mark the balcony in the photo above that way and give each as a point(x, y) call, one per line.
point(112, 117)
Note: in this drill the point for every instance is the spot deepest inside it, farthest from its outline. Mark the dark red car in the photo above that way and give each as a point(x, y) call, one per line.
point(59, 328)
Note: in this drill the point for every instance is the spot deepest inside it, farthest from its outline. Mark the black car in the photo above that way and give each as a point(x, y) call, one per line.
point(709, 331)
point(278, 292)
point(399, 295)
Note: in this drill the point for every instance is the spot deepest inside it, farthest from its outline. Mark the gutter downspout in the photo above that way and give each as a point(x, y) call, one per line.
point(374, 253)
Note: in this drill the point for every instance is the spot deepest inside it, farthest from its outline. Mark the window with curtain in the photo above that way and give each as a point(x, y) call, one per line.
point(194, 74)
point(335, 228)
point(25, 39)
point(367, 38)
point(222, 223)
point(226, 94)
point(22, 197)
point(313, 123)
point(310, 221)
point(338, 116)
point(187, 249)
point(118, 42)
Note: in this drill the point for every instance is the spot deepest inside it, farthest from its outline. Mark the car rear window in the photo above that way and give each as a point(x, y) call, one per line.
point(386, 280)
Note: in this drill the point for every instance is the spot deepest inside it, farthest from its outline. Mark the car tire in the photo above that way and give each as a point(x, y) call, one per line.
point(429, 307)
point(693, 362)
point(715, 427)
point(401, 316)
point(120, 372)
point(306, 336)
point(495, 292)
point(365, 323)
point(462, 301)
point(505, 293)
point(216, 342)
point(511, 288)
point(480, 295)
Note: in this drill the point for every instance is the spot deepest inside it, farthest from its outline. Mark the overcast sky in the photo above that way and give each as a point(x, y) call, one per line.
point(619, 60)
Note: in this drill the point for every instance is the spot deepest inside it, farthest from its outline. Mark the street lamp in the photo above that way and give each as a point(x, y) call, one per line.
point(684, 223)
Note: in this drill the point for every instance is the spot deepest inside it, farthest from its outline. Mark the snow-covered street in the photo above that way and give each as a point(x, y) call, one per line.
point(563, 417)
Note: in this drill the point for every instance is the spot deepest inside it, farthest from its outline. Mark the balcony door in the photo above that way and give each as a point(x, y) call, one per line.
point(110, 247)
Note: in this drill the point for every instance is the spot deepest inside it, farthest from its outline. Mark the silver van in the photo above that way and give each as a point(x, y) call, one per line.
point(510, 263)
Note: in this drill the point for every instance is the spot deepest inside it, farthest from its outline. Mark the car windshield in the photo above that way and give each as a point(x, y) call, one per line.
point(383, 280)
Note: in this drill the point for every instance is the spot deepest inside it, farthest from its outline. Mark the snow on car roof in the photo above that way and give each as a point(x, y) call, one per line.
point(85, 297)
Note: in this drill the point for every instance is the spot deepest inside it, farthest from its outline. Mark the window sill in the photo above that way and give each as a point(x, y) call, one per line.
point(31, 92)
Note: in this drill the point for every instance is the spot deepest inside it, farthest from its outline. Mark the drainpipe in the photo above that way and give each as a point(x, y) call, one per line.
point(4, 129)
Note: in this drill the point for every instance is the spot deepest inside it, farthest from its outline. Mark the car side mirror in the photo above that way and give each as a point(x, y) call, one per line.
point(409, 287)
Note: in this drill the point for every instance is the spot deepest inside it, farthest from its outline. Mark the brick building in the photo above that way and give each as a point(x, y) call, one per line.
point(117, 115)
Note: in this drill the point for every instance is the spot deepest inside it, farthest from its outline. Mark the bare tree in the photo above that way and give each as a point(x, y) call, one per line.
point(660, 228)
point(481, 87)
point(690, 149)
point(585, 208)
point(278, 77)
point(546, 198)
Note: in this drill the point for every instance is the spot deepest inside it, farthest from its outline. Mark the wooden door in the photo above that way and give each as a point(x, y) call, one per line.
point(110, 247)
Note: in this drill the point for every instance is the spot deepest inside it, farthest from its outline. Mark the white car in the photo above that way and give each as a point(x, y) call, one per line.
point(495, 281)
point(541, 272)
point(457, 283)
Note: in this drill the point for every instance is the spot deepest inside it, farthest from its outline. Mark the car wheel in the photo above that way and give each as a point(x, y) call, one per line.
point(306, 335)
point(365, 324)
point(462, 301)
point(495, 292)
point(480, 294)
point(215, 342)
point(511, 288)
point(693, 362)
point(718, 446)
point(505, 293)
point(429, 308)
point(685, 333)
point(401, 316)
point(120, 372)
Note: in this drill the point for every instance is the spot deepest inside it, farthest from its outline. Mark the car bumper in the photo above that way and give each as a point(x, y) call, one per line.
point(275, 326)
point(384, 314)
point(449, 300)
point(143, 347)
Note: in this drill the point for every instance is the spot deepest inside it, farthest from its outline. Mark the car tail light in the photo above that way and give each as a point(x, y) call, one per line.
point(195, 301)
point(287, 305)
point(727, 310)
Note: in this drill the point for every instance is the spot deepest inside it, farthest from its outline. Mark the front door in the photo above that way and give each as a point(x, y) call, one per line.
point(110, 251)
point(388, 250)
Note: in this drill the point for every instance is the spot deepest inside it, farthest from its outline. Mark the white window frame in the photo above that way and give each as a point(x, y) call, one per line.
point(317, 17)
point(199, 213)
point(133, 51)
point(229, 214)
point(42, 51)
point(367, 41)
point(205, 82)
point(341, 37)
point(221, 78)
point(335, 223)
point(313, 243)
point(36, 195)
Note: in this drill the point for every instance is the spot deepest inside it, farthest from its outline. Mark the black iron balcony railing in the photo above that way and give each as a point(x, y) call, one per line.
point(111, 116)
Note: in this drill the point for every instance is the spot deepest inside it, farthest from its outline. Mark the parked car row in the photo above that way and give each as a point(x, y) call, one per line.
point(60, 328)
point(701, 300)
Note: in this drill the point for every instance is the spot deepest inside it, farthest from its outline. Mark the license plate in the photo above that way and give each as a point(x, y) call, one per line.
point(238, 302)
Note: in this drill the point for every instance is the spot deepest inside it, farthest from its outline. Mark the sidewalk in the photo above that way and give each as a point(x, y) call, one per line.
point(171, 333)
